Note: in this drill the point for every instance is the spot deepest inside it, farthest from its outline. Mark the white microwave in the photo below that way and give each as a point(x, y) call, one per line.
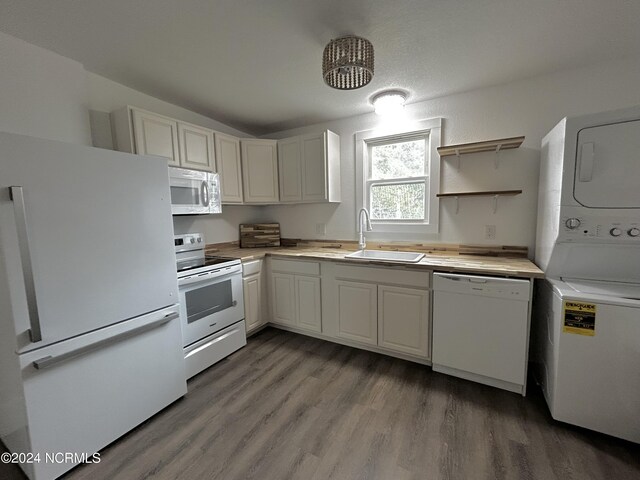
point(194, 192)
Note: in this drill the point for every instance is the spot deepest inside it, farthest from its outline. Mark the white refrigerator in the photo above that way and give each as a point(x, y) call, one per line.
point(90, 339)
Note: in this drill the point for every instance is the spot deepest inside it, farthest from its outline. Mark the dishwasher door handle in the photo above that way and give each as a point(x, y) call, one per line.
point(477, 280)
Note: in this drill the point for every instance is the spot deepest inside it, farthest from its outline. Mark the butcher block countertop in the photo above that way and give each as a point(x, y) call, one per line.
point(500, 261)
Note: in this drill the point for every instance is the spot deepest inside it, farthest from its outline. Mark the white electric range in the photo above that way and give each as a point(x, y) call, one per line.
point(211, 303)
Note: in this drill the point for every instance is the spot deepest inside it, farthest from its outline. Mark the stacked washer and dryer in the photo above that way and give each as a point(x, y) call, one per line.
point(586, 329)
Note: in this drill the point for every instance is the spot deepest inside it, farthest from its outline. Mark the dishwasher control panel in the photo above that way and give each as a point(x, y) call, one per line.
point(481, 285)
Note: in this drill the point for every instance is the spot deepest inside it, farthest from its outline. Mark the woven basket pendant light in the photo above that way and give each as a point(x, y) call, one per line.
point(347, 62)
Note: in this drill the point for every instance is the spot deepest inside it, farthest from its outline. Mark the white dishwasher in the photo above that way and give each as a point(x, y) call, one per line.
point(481, 329)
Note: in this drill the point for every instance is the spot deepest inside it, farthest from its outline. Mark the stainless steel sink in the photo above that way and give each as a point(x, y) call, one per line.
point(386, 256)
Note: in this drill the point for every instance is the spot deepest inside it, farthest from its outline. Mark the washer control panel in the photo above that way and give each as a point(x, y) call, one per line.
point(574, 228)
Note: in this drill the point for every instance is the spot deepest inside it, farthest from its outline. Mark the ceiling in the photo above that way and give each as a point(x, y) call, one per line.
point(256, 64)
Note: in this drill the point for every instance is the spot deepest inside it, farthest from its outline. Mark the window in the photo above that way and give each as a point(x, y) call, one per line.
point(399, 176)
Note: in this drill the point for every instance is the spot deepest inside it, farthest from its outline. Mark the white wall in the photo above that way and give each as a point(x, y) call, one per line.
point(530, 107)
point(224, 227)
point(42, 94)
point(106, 95)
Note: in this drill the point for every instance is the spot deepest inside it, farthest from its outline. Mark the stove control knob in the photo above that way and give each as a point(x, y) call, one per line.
point(615, 232)
point(634, 232)
point(572, 223)
point(199, 239)
point(192, 240)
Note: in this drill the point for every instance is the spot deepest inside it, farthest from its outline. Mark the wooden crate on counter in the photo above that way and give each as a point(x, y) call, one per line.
point(254, 235)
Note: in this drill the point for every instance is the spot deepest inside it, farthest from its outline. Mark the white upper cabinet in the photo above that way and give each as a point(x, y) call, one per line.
point(301, 169)
point(156, 135)
point(228, 162)
point(290, 169)
point(310, 168)
point(196, 147)
point(260, 171)
point(146, 133)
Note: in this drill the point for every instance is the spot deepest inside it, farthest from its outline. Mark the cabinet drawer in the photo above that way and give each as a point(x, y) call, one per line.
point(295, 266)
point(389, 276)
point(251, 268)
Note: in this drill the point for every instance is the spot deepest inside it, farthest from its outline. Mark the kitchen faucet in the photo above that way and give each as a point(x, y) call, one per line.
point(361, 243)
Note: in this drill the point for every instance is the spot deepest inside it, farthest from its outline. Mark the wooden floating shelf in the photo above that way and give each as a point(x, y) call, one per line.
point(476, 147)
point(488, 193)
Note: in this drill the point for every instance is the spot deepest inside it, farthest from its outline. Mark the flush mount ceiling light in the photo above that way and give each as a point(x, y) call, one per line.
point(347, 62)
point(390, 102)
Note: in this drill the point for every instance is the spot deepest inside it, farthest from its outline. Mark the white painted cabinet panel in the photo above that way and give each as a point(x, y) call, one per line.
point(314, 168)
point(255, 295)
point(260, 171)
point(403, 319)
point(156, 135)
point(290, 170)
point(283, 298)
point(357, 311)
point(252, 302)
point(308, 310)
point(310, 168)
point(196, 147)
point(229, 167)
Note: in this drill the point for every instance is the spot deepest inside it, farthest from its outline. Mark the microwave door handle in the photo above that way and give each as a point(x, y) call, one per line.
point(205, 194)
point(20, 212)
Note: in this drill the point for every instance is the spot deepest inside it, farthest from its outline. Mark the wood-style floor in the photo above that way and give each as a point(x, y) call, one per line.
point(293, 407)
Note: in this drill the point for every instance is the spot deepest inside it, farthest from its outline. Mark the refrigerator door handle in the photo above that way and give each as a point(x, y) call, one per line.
point(50, 361)
point(20, 212)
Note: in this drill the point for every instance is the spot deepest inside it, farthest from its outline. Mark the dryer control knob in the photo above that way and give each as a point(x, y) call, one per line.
point(615, 232)
point(572, 223)
point(634, 232)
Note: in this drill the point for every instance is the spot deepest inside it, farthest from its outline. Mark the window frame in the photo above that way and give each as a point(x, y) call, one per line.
point(430, 130)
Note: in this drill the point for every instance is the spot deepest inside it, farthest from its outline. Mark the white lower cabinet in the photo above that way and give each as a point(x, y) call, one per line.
point(357, 311)
point(386, 308)
point(308, 310)
point(403, 319)
point(255, 299)
point(295, 294)
point(283, 298)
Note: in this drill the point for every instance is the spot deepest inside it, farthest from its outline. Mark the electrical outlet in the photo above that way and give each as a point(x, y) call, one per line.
point(321, 229)
point(490, 232)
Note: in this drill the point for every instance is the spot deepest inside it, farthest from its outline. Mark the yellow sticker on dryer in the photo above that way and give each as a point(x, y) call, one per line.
point(579, 318)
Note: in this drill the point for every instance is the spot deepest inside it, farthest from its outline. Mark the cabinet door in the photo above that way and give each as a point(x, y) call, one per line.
point(228, 166)
point(403, 320)
point(308, 310)
point(357, 311)
point(156, 135)
point(260, 171)
point(314, 168)
point(283, 299)
point(290, 169)
point(252, 302)
point(196, 147)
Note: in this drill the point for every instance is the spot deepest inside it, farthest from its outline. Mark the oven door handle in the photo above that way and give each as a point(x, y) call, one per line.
point(206, 277)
